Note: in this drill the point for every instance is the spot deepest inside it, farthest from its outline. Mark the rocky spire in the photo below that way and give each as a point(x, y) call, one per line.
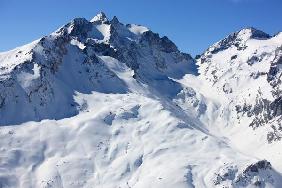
point(115, 20)
point(99, 18)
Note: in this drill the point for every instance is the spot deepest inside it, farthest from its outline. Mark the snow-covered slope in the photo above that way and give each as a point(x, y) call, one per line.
point(240, 83)
point(102, 104)
point(244, 69)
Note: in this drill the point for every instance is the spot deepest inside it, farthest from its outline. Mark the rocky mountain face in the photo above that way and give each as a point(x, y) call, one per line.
point(72, 58)
point(102, 104)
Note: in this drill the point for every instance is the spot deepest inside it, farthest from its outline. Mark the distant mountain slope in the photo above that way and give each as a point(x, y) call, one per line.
point(102, 104)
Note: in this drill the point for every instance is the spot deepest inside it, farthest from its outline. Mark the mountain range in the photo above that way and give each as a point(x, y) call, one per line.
point(104, 104)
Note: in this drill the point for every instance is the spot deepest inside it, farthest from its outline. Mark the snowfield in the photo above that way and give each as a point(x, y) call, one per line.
point(106, 105)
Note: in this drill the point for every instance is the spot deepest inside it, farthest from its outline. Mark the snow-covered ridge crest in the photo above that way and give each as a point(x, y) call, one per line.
point(238, 39)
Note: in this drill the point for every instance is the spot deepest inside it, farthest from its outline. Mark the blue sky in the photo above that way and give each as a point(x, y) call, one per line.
point(192, 24)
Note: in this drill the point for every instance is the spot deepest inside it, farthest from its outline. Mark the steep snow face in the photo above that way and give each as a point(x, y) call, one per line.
point(102, 104)
point(9, 60)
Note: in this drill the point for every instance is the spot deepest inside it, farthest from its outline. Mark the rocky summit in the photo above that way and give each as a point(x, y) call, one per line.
point(104, 104)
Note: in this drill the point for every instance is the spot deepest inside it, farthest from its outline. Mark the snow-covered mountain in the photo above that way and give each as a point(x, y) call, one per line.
point(102, 104)
point(244, 69)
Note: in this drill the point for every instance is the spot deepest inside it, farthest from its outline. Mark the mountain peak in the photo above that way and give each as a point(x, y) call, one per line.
point(252, 33)
point(114, 20)
point(239, 39)
point(100, 17)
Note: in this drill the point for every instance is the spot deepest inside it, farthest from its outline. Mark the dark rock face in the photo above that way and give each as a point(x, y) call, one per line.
point(274, 74)
point(164, 44)
point(81, 27)
point(247, 176)
point(234, 57)
point(253, 60)
point(100, 48)
point(252, 175)
point(78, 27)
point(257, 34)
point(129, 57)
point(255, 168)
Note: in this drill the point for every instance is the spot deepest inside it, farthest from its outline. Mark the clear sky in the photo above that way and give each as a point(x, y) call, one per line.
point(192, 24)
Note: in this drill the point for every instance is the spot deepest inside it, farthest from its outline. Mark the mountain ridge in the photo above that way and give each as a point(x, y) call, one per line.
point(100, 103)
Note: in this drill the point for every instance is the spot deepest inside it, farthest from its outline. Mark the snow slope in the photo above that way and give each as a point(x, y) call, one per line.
point(102, 104)
point(243, 71)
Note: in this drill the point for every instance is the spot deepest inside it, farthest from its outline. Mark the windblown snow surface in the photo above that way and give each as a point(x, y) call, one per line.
point(106, 105)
